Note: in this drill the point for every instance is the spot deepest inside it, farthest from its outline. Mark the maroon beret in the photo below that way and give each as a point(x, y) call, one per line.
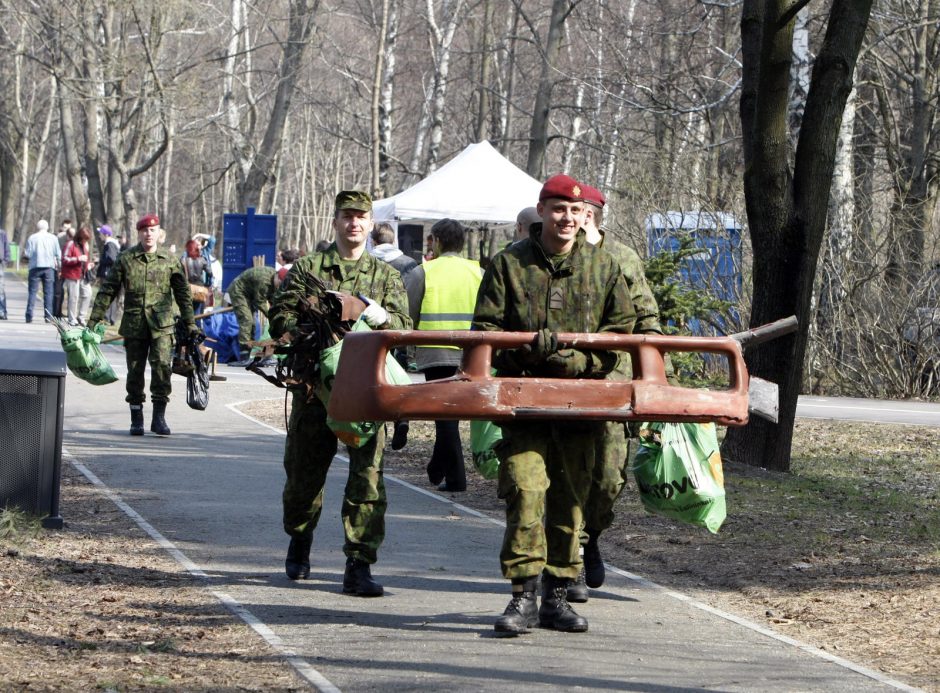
point(593, 195)
point(561, 186)
point(148, 220)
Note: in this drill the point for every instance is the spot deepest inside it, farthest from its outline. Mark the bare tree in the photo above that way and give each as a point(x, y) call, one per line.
point(255, 165)
point(787, 203)
point(551, 49)
point(909, 79)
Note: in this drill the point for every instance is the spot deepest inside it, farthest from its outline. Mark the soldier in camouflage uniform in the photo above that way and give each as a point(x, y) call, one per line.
point(250, 291)
point(554, 281)
point(613, 449)
point(153, 281)
point(311, 445)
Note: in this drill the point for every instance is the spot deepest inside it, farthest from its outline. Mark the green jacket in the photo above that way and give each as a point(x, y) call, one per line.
point(647, 311)
point(254, 287)
point(523, 291)
point(155, 286)
point(368, 276)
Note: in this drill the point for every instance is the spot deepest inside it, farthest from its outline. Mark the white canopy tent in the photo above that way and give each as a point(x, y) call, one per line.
point(478, 184)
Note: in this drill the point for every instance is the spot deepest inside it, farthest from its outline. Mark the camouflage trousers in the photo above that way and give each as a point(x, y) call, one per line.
point(159, 351)
point(308, 453)
point(609, 477)
point(544, 479)
point(245, 315)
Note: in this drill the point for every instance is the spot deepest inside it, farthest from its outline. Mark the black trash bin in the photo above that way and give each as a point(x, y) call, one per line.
point(32, 403)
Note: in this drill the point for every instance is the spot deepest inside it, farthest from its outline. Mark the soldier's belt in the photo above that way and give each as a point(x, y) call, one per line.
point(361, 392)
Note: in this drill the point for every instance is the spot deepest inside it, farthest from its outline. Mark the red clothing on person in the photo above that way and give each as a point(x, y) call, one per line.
point(72, 266)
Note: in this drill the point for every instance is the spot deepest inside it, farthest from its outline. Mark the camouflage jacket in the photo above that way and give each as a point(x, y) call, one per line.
point(255, 287)
point(647, 310)
point(369, 277)
point(155, 291)
point(522, 291)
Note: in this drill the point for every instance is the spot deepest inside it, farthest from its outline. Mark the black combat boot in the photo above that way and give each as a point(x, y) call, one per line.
point(593, 563)
point(158, 423)
point(358, 579)
point(400, 438)
point(522, 612)
point(555, 611)
point(297, 563)
point(137, 420)
point(578, 589)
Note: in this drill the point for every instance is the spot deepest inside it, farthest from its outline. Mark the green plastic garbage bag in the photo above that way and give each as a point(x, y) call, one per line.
point(355, 434)
point(483, 436)
point(677, 468)
point(83, 353)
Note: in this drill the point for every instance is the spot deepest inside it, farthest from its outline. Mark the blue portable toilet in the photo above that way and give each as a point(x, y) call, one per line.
point(245, 236)
point(718, 267)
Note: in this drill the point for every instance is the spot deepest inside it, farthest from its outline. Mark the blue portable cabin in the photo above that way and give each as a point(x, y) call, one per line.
point(245, 236)
point(718, 268)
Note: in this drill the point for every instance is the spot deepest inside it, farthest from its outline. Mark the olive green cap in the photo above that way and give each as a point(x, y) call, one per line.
point(354, 199)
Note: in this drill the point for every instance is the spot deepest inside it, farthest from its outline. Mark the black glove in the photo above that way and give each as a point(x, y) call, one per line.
point(196, 335)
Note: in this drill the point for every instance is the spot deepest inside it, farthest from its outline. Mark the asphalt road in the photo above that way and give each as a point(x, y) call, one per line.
point(210, 494)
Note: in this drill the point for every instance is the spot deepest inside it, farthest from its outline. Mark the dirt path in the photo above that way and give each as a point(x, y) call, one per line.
point(843, 554)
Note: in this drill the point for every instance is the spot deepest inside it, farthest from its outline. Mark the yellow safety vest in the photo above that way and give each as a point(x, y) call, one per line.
point(450, 293)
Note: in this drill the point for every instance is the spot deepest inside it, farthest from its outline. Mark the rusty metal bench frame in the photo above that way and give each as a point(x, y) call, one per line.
point(361, 392)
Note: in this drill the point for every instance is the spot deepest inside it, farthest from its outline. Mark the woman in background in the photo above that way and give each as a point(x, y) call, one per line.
point(77, 275)
point(197, 274)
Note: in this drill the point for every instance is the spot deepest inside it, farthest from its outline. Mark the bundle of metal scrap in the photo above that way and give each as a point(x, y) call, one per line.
point(322, 319)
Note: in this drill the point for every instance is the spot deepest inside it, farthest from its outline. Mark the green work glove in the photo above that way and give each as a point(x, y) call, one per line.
point(566, 363)
point(534, 354)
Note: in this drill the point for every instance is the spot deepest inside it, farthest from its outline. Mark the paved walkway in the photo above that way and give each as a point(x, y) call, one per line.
point(211, 494)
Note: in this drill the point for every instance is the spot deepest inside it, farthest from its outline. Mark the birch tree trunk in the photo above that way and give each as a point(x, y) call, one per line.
point(376, 111)
point(486, 62)
point(387, 93)
point(508, 73)
point(443, 39)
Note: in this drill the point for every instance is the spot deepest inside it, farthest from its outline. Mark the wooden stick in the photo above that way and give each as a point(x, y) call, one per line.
point(226, 309)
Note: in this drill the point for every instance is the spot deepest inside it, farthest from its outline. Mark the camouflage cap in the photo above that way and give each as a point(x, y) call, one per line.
point(354, 199)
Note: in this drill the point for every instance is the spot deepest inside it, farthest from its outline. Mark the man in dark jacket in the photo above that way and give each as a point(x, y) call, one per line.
point(384, 248)
point(441, 295)
point(553, 281)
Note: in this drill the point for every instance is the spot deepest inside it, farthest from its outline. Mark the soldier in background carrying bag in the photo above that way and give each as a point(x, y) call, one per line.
point(152, 280)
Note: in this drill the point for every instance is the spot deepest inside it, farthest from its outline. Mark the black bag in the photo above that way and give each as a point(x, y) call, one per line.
point(197, 388)
point(188, 361)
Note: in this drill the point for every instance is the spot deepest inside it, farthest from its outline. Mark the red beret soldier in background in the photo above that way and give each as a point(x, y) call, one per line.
point(152, 280)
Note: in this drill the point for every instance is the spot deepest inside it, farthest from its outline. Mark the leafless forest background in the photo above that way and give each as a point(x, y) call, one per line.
point(192, 109)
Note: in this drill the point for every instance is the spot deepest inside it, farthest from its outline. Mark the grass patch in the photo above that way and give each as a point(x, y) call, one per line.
point(18, 527)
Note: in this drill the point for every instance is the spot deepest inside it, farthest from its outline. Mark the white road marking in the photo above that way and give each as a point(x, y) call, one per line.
point(307, 672)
